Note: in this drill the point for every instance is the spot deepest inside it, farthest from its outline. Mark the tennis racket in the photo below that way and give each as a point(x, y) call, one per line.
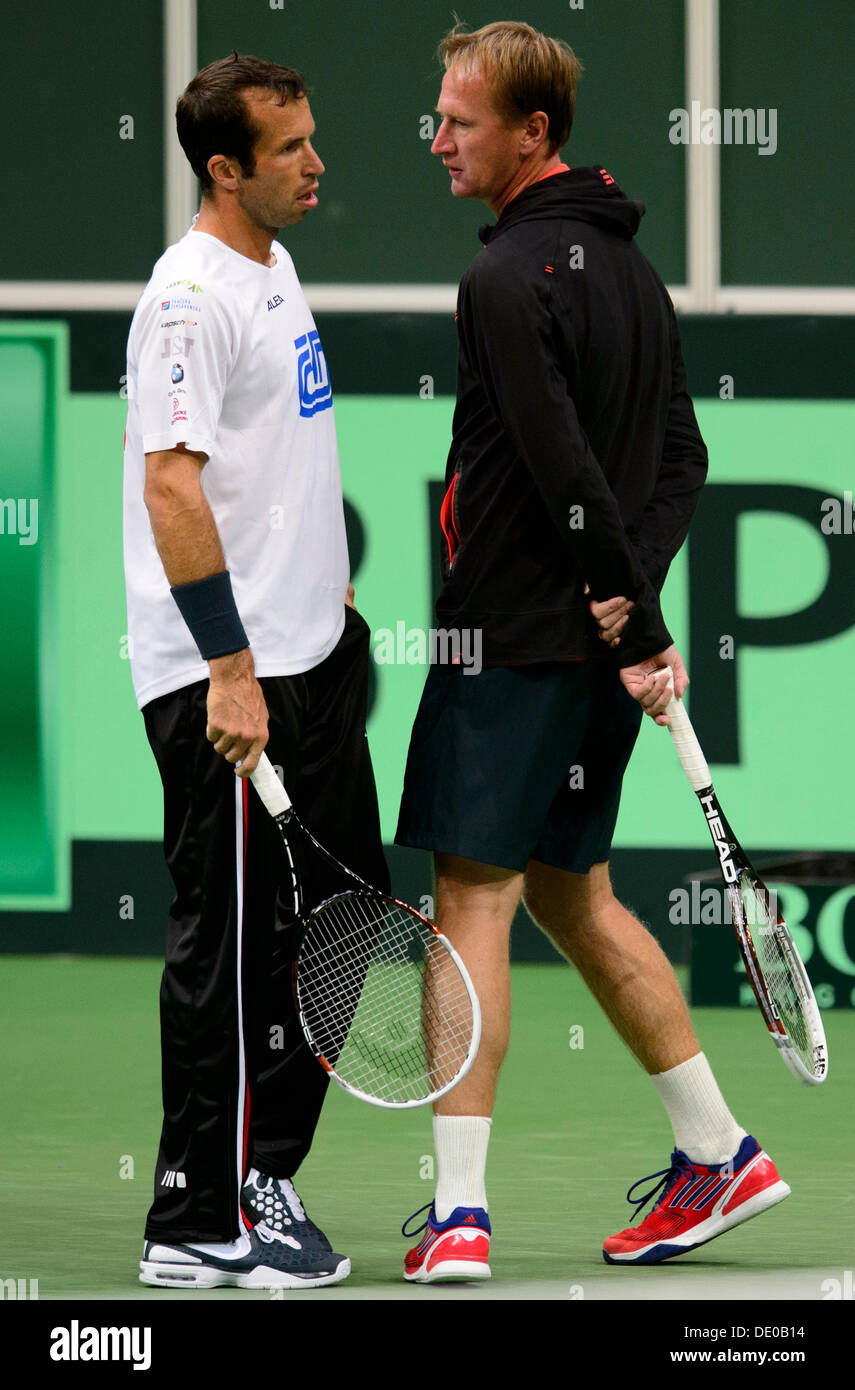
point(384, 1000)
point(775, 969)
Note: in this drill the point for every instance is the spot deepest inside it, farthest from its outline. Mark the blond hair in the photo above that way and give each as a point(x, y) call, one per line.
point(526, 71)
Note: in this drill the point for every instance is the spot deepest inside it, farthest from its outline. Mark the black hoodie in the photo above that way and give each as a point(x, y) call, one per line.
point(576, 457)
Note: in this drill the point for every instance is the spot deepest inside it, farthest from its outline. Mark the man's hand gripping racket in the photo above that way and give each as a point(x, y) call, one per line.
point(775, 969)
point(384, 1000)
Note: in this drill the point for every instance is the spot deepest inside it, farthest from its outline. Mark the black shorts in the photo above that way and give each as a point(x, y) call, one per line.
point(519, 763)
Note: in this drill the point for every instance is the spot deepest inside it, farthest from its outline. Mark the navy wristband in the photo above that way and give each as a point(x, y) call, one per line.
point(208, 608)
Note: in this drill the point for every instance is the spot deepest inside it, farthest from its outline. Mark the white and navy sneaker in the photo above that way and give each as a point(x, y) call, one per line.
point(275, 1202)
point(698, 1202)
point(270, 1261)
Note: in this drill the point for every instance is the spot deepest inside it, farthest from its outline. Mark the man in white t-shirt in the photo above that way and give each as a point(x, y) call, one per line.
point(243, 636)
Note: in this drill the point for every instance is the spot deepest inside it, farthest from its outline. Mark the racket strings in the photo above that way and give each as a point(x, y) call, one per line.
point(782, 978)
point(383, 999)
point(393, 947)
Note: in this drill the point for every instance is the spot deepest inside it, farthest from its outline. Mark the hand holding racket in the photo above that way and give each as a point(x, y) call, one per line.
point(775, 969)
point(384, 1000)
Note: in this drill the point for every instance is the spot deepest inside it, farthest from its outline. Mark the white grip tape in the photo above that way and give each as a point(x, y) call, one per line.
point(269, 788)
point(686, 742)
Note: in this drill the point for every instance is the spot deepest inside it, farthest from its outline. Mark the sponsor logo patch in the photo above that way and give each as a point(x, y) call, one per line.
point(177, 346)
point(312, 375)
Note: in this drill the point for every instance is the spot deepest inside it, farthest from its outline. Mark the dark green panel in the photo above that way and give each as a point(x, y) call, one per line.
point(106, 871)
point(794, 357)
point(787, 217)
point(385, 212)
point(87, 204)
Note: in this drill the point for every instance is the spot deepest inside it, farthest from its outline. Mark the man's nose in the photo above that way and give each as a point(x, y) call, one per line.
point(442, 141)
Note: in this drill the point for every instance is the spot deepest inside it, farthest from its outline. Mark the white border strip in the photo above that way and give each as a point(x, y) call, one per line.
point(786, 299)
point(179, 65)
point(59, 296)
point(382, 299)
point(54, 296)
point(703, 183)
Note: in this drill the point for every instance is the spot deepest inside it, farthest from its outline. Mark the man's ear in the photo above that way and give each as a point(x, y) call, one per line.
point(536, 133)
point(223, 171)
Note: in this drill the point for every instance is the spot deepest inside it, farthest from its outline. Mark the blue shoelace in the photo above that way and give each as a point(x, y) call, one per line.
point(410, 1234)
point(680, 1166)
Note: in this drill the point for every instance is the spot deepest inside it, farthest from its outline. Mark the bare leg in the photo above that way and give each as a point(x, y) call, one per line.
point(620, 962)
point(475, 905)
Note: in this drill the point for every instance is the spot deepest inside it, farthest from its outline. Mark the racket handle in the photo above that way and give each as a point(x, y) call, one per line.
point(686, 742)
point(269, 788)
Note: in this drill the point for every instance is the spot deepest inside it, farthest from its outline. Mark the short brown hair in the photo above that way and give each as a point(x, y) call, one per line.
point(526, 70)
point(213, 118)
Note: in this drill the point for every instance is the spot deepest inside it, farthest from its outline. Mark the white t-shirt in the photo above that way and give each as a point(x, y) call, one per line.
point(224, 356)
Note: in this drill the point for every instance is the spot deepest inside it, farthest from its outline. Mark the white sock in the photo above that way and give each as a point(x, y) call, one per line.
point(703, 1126)
point(461, 1143)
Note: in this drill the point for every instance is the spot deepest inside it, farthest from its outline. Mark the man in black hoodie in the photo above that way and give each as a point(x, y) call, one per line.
point(574, 471)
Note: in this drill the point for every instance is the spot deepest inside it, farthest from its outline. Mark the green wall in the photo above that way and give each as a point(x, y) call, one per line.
point(385, 213)
point(88, 205)
point(787, 218)
point(385, 210)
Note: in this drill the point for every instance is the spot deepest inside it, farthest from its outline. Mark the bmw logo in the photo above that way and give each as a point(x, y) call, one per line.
point(178, 372)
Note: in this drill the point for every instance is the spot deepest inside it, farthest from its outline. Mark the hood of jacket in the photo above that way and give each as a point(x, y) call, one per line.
point(587, 194)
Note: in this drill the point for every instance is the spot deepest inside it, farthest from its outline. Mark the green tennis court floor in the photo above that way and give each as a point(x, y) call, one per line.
point(574, 1127)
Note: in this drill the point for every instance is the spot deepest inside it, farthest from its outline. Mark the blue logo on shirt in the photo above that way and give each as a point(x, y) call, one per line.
point(312, 375)
point(178, 372)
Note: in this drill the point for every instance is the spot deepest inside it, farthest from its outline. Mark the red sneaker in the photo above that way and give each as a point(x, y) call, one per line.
point(454, 1249)
point(699, 1201)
